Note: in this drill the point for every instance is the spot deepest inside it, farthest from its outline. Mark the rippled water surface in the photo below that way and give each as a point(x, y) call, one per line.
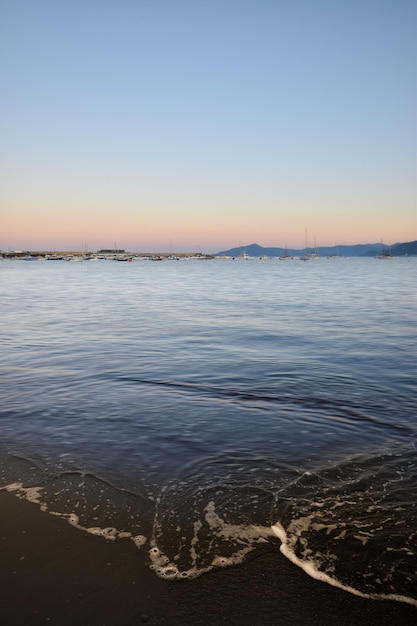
point(197, 404)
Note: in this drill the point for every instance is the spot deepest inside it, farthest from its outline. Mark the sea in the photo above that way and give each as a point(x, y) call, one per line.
point(208, 410)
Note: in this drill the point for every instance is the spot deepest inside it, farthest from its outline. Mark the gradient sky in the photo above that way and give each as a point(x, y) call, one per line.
point(205, 124)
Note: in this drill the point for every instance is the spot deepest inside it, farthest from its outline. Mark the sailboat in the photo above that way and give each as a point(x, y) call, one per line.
point(315, 254)
point(385, 252)
point(305, 256)
point(285, 256)
point(334, 255)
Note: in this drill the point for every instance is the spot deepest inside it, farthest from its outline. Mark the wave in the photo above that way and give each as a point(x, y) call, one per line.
point(310, 568)
point(34, 495)
point(307, 398)
point(351, 524)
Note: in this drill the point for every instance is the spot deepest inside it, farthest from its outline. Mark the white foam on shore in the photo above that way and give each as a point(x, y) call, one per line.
point(33, 494)
point(310, 568)
point(245, 537)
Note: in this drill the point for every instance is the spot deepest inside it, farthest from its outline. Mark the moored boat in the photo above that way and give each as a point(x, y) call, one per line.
point(285, 256)
point(385, 252)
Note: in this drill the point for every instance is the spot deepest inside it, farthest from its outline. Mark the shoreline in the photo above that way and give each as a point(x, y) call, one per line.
point(53, 573)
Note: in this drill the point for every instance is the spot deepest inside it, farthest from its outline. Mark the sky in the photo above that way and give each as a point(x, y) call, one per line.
point(201, 125)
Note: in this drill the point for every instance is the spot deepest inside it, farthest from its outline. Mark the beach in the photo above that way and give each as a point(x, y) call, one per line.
point(53, 573)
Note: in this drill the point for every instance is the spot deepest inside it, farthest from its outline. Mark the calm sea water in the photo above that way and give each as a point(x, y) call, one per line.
point(211, 409)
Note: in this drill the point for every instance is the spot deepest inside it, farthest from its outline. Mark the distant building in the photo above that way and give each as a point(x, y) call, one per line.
point(111, 251)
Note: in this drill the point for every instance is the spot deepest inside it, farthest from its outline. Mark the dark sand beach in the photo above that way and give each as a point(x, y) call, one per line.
point(53, 573)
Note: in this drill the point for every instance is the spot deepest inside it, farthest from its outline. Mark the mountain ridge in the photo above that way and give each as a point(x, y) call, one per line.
point(355, 250)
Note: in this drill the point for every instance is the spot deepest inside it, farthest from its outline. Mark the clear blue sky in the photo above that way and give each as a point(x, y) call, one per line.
point(207, 123)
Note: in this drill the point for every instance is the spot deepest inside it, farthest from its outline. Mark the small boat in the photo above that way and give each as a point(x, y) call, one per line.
point(335, 254)
point(385, 252)
point(306, 256)
point(244, 256)
point(285, 256)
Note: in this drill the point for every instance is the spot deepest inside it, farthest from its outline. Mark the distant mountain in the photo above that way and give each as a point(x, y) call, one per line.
point(399, 249)
point(357, 250)
point(404, 249)
point(253, 250)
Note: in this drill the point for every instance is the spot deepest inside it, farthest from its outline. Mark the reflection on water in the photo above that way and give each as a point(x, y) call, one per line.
point(200, 403)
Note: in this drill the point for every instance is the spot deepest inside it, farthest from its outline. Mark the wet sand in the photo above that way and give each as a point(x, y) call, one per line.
point(52, 573)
